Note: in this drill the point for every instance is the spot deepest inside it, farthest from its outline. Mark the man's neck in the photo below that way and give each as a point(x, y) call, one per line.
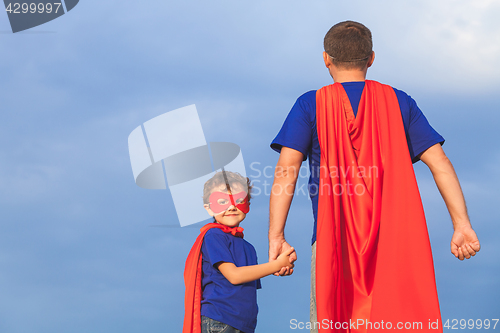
point(341, 75)
point(348, 76)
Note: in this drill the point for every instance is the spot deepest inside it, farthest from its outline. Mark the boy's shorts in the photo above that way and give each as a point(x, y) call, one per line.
point(208, 325)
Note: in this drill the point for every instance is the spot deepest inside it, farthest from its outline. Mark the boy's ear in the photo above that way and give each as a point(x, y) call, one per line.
point(207, 207)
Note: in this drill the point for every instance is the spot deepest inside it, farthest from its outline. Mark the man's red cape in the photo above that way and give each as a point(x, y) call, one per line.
point(373, 255)
point(192, 278)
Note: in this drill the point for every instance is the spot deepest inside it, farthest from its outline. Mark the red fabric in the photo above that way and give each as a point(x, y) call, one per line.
point(373, 259)
point(192, 278)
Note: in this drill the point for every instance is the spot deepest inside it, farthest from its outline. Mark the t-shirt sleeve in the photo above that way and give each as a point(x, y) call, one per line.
point(297, 130)
point(215, 248)
point(420, 134)
point(258, 283)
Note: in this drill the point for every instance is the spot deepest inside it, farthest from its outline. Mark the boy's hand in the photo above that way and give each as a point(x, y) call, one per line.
point(284, 259)
point(464, 243)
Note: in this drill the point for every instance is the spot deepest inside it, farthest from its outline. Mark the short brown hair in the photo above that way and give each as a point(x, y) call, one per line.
point(349, 45)
point(232, 178)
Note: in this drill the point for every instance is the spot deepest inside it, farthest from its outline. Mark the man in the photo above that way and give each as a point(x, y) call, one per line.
point(371, 252)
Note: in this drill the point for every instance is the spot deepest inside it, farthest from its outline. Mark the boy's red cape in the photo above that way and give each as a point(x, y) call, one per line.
point(192, 278)
point(373, 259)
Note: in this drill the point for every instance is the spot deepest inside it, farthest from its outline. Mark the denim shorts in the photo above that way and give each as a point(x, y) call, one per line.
point(313, 315)
point(208, 325)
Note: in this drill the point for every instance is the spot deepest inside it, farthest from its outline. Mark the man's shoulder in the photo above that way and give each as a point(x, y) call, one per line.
point(404, 99)
point(400, 93)
point(306, 102)
point(311, 94)
point(406, 102)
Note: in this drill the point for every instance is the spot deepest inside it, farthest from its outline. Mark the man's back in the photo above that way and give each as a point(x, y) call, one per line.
point(299, 132)
point(366, 261)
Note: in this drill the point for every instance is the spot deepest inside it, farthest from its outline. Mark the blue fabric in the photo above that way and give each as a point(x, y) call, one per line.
point(299, 132)
point(235, 305)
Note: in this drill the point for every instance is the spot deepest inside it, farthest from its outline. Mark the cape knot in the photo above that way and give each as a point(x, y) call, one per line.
point(235, 231)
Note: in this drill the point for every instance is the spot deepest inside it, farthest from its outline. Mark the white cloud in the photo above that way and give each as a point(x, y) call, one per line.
point(448, 45)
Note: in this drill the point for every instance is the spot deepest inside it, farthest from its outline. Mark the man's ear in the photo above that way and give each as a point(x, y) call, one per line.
point(371, 60)
point(327, 59)
point(207, 207)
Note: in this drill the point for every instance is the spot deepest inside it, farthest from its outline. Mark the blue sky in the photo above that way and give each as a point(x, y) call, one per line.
point(78, 252)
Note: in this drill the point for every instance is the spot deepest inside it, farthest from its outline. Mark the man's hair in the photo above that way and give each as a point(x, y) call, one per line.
point(233, 178)
point(349, 45)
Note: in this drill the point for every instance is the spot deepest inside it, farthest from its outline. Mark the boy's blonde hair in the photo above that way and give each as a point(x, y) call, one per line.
point(232, 178)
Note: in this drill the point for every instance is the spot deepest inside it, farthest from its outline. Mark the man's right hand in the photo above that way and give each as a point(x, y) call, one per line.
point(285, 179)
point(277, 247)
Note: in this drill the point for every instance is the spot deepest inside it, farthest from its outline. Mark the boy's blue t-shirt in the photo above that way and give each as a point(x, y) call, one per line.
point(235, 305)
point(299, 132)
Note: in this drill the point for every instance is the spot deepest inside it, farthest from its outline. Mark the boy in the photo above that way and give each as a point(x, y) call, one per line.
point(222, 275)
point(371, 256)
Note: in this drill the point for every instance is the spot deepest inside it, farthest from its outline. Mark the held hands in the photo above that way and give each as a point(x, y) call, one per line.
point(285, 261)
point(280, 249)
point(464, 243)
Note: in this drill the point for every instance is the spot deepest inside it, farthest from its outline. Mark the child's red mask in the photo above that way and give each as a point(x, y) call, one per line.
point(220, 202)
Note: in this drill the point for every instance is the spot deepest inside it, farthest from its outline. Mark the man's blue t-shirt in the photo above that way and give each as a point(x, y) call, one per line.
point(299, 132)
point(235, 305)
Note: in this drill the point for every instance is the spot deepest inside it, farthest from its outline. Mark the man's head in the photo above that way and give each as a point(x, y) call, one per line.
point(226, 197)
point(349, 46)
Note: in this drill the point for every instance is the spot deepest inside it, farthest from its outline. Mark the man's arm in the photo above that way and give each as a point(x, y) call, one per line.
point(464, 242)
point(285, 179)
point(244, 274)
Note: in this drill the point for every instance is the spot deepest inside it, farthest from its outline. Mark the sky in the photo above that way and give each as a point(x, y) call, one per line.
point(84, 249)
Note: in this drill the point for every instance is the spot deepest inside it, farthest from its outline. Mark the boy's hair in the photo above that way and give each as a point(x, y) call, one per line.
point(232, 178)
point(349, 45)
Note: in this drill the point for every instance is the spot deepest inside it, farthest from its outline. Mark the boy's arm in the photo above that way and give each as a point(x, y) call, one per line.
point(285, 179)
point(464, 242)
point(244, 274)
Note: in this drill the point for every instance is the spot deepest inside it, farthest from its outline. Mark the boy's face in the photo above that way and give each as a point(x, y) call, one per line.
point(227, 210)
